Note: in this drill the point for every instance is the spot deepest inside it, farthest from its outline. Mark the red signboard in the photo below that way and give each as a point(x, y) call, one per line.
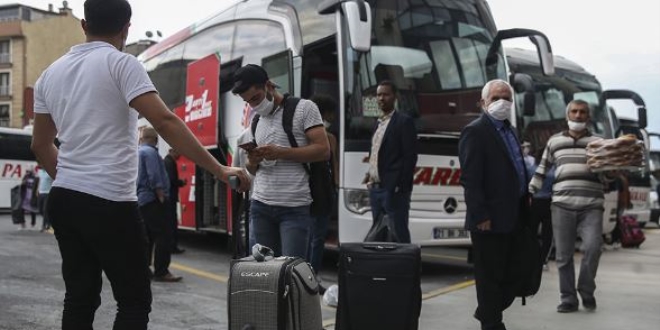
point(201, 108)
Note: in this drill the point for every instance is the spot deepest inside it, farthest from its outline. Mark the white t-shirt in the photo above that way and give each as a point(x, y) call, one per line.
point(87, 92)
point(284, 182)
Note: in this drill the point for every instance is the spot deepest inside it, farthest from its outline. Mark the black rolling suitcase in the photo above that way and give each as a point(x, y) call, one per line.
point(379, 286)
point(266, 293)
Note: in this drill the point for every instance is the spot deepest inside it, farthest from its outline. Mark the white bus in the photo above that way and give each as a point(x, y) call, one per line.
point(438, 53)
point(15, 159)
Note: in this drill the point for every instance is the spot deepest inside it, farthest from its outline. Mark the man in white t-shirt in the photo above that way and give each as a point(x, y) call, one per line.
point(86, 98)
point(281, 199)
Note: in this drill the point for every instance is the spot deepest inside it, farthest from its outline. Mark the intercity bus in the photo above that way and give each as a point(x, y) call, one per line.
point(16, 159)
point(552, 94)
point(438, 53)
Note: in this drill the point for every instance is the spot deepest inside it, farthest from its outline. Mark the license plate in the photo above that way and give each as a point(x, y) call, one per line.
point(448, 233)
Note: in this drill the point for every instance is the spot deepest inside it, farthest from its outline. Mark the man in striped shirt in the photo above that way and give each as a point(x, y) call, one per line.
point(577, 206)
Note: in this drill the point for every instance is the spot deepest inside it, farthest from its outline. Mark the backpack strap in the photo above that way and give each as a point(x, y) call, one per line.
point(253, 126)
point(290, 104)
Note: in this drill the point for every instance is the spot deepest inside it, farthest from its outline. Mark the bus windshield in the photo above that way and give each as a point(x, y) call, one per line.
point(434, 52)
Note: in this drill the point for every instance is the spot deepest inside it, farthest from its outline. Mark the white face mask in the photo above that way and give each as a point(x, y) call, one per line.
point(500, 109)
point(265, 107)
point(576, 126)
point(326, 124)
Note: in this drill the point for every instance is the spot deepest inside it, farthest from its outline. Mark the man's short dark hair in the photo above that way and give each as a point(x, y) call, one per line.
point(325, 103)
point(106, 17)
point(391, 84)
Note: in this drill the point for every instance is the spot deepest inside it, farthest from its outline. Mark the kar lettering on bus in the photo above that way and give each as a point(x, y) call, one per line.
point(198, 108)
point(437, 176)
point(12, 171)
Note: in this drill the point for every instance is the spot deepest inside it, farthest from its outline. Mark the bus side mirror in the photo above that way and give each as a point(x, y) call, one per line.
point(623, 94)
point(641, 117)
point(538, 39)
point(523, 84)
point(358, 19)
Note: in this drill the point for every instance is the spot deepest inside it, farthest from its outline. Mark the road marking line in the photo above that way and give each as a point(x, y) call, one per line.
point(441, 291)
point(426, 296)
point(200, 273)
point(442, 256)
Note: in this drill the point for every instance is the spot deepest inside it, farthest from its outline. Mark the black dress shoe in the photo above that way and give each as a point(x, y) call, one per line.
point(567, 308)
point(178, 250)
point(589, 304)
point(167, 278)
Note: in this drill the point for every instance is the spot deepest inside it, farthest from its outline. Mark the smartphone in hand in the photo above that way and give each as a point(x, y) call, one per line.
point(249, 146)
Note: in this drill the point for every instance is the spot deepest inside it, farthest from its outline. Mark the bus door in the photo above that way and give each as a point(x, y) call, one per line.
point(206, 201)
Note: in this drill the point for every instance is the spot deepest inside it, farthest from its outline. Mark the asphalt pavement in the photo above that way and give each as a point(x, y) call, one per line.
point(32, 290)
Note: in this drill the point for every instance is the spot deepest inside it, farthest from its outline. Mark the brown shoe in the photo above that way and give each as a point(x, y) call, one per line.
point(168, 278)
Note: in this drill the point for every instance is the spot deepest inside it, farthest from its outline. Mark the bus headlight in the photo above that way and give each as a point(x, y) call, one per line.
point(357, 201)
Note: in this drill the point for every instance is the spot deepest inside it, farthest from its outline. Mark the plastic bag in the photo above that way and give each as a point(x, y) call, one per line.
point(331, 296)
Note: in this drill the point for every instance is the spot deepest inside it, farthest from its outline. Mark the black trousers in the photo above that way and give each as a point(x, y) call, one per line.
point(174, 224)
point(542, 216)
point(97, 235)
point(496, 276)
point(159, 236)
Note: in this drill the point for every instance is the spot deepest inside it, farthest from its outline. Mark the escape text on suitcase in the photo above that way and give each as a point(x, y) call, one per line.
point(379, 286)
point(273, 294)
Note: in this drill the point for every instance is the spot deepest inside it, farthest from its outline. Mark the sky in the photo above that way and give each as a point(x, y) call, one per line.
point(618, 42)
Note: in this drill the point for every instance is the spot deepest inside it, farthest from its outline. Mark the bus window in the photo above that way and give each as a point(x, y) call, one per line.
point(165, 70)
point(216, 39)
point(256, 39)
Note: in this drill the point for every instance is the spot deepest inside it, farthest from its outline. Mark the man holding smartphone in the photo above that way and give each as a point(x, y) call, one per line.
point(281, 198)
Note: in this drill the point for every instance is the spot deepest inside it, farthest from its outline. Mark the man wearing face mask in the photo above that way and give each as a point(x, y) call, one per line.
point(281, 198)
point(577, 206)
point(494, 179)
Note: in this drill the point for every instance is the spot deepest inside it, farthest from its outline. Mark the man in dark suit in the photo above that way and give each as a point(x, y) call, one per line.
point(175, 184)
point(392, 163)
point(495, 183)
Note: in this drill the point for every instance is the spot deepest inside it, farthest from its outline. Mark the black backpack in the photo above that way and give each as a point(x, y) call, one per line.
point(320, 175)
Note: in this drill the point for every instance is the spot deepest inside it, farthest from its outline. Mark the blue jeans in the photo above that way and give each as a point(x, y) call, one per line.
point(317, 241)
point(283, 229)
point(396, 205)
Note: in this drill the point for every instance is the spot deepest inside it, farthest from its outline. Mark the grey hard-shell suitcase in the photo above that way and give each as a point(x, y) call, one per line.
point(266, 293)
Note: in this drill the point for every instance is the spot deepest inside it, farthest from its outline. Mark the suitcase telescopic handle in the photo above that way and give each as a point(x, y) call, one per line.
point(380, 247)
point(261, 252)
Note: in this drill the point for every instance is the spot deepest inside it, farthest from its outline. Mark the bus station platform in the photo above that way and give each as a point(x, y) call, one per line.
point(627, 294)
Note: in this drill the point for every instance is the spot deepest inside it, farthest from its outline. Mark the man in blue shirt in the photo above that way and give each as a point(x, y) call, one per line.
point(152, 191)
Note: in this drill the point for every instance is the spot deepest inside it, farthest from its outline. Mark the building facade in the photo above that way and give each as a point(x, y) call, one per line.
point(30, 40)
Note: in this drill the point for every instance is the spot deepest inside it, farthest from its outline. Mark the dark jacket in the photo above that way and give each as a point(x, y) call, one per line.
point(397, 155)
point(173, 175)
point(488, 176)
